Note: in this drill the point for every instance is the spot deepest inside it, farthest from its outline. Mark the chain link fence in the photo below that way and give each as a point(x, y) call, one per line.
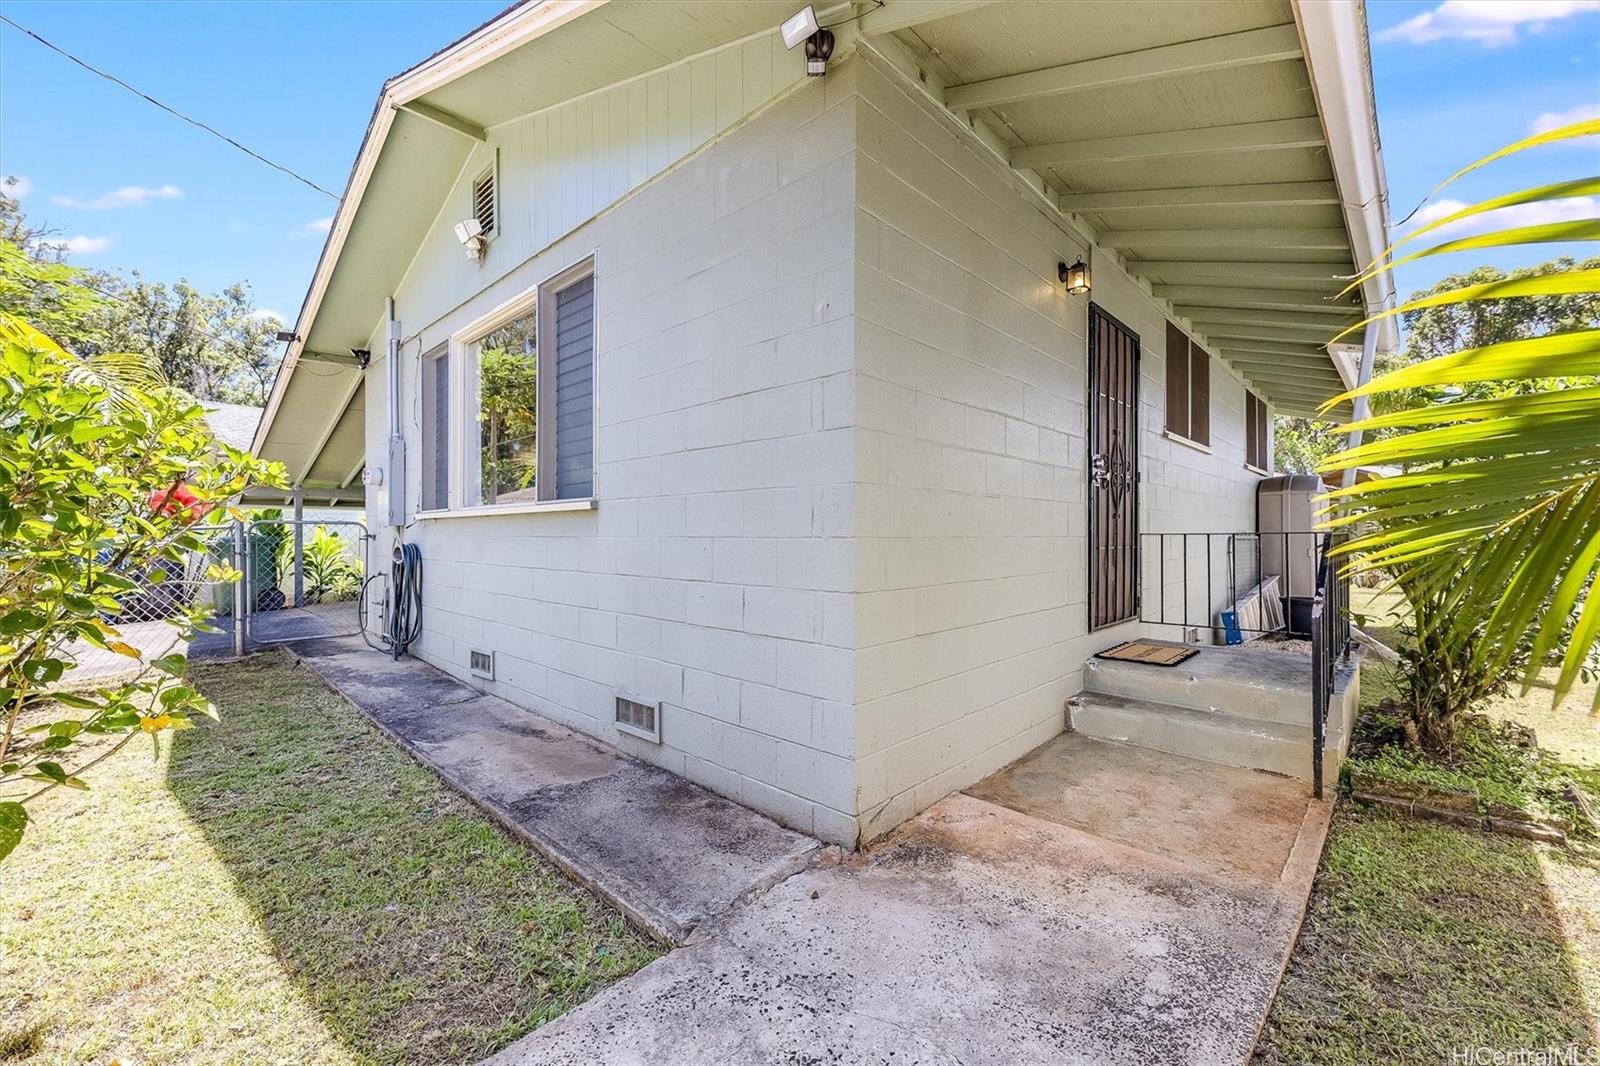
point(299, 580)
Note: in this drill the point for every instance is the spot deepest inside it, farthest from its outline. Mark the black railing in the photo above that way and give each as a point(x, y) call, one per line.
point(1201, 579)
point(1330, 640)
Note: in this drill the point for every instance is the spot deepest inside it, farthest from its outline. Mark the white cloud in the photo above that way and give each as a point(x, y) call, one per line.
point(16, 186)
point(78, 245)
point(1573, 209)
point(1554, 120)
point(316, 226)
point(267, 314)
point(127, 196)
point(1492, 23)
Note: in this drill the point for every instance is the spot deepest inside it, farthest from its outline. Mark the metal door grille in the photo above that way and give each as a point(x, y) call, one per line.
point(1113, 494)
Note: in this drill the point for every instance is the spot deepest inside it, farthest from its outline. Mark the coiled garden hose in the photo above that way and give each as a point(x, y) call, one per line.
point(402, 603)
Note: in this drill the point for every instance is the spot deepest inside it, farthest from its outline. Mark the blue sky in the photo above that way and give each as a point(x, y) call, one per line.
point(137, 189)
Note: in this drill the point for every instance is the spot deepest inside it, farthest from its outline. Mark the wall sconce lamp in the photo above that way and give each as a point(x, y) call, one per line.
point(1074, 277)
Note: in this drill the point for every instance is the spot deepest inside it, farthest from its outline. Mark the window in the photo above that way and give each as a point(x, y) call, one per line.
point(529, 424)
point(484, 206)
point(436, 429)
point(1188, 388)
point(1256, 421)
point(508, 378)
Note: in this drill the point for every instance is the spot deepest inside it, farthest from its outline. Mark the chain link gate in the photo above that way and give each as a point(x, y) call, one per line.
point(300, 579)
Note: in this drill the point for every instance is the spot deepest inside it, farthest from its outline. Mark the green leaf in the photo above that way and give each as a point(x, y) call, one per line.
point(13, 820)
point(173, 664)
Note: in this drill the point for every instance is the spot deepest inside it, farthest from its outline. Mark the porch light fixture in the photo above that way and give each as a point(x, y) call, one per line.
point(1074, 277)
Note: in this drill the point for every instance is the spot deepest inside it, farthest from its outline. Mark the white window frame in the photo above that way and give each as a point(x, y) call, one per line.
point(463, 370)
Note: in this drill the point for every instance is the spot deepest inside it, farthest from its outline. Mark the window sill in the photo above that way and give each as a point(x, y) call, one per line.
point(537, 507)
point(1257, 470)
point(1186, 442)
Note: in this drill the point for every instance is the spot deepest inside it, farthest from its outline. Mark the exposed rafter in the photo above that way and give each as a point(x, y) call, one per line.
point(1209, 140)
point(1248, 48)
point(450, 121)
point(1281, 194)
point(1222, 332)
point(1225, 296)
point(1267, 237)
point(1254, 316)
point(896, 15)
point(1317, 276)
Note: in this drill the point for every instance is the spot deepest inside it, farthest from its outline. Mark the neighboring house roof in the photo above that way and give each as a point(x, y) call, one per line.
point(1286, 84)
point(233, 423)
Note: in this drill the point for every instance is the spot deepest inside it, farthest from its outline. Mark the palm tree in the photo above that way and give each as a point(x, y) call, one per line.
point(1493, 530)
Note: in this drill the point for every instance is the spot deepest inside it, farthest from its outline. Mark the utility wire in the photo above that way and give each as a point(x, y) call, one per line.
point(169, 110)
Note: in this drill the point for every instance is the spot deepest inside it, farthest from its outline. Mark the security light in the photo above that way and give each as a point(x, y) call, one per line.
point(470, 234)
point(798, 28)
point(362, 356)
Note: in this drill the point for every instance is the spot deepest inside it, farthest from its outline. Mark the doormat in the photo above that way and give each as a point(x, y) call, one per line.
point(1150, 652)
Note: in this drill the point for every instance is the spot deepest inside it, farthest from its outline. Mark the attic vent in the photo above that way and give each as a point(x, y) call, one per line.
point(481, 663)
point(483, 202)
point(639, 719)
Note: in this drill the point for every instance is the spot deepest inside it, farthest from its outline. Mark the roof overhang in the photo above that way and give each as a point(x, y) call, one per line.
point(1225, 152)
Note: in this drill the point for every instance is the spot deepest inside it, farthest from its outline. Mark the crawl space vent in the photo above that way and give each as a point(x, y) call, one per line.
point(639, 719)
point(481, 663)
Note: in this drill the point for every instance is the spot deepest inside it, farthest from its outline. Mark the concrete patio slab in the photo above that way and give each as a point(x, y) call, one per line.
point(979, 933)
point(666, 852)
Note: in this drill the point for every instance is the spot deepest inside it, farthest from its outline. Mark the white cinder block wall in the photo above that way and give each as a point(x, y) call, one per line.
point(971, 524)
point(841, 529)
point(716, 574)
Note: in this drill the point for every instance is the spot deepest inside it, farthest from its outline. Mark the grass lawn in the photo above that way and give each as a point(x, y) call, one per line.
point(285, 887)
point(1422, 938)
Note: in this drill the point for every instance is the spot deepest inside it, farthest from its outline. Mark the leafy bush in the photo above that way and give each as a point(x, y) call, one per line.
point(1493, 529)
point(105, 488)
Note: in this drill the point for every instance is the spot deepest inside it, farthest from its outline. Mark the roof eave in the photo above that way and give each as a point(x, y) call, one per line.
point(1334, 36)
point(506, 32)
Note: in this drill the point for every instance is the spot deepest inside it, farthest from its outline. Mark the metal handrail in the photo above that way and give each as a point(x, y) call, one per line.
point(1330, 639)
point(1231, 545)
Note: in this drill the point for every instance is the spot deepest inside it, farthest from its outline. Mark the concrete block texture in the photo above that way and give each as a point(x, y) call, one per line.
point(840, 530)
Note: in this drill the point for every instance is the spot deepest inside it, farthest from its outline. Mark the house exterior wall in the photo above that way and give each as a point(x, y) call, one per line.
point(841, 526)
point(970, 514)
point(716, 573)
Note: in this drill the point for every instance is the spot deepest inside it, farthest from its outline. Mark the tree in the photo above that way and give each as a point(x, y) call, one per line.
point(1495, 525)
point(214, 346)
point(1302, 444)
point(103, 493)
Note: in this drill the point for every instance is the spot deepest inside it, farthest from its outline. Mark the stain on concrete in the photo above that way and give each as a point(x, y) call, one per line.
point(668, 853)
point(974, 934)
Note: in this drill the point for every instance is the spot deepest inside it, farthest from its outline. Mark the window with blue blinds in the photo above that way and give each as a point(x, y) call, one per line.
point(574, 391)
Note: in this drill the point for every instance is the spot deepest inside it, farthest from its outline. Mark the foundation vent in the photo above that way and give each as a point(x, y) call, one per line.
point(637, 719)
point(481, 663)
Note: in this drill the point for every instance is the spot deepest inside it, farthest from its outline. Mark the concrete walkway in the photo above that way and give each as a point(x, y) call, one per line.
point(667, 853)
point(1092, 903)
point(1103, 905)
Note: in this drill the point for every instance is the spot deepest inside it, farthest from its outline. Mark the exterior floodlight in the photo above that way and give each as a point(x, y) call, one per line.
point(803, 28)
point(287, 336)
point(1074, 277)
point(470, 234)
point(798, 28)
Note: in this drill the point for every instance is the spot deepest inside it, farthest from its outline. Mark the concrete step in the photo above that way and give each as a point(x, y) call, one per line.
point(1269, 686)
point(1227, 739)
